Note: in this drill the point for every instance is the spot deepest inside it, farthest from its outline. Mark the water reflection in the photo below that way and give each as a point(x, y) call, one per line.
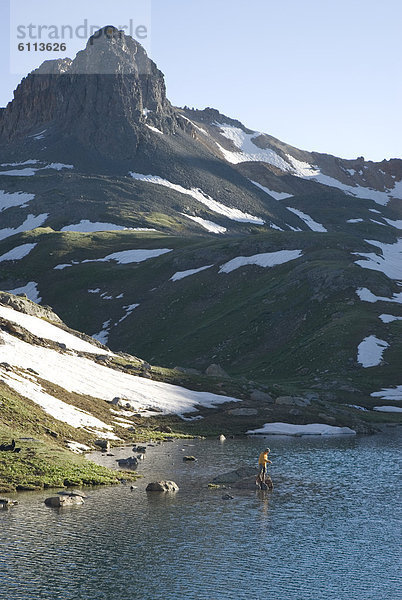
point(328, 530)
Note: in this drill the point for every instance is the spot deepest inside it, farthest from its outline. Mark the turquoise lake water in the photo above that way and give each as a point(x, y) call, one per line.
point(330, 530)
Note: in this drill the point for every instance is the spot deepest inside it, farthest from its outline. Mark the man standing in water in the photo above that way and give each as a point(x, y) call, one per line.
point(263, 461)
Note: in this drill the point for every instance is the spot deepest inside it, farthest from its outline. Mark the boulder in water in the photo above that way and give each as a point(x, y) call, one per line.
point(128, 463)
point(64, 500)
point(162, 486)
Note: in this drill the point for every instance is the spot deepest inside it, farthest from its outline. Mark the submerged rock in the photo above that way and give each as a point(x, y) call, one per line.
point(189, 459)
point(162, 486)
point(243, 472)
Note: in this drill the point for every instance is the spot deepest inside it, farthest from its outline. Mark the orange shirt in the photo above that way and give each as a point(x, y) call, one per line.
point(263, 459)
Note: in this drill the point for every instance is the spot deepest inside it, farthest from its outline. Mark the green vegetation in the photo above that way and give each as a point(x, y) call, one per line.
point(42, 465)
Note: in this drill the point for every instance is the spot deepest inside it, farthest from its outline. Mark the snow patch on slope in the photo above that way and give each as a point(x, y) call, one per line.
point(30, 171)
point(129, 309)
point(367, 296)
point(56, 408)
point(314, 226)
point(275, 195)
point(30, 290)
point(182, 274)
point(370, 351)
point(397, 224)
point(231, 213)
point(391, 409)
point(267, 259)
point(46, 331)
point(154, 129)
point(124, 257)
point(208, 225)
point(18, 252)
point(291, 429)
point(31, 222)
point(9, 200)
point(86, 226)
point(394, 394)
point(389, 318)
point(389, 263)
point(308, 171)
point(103, 335)
point(247, 150)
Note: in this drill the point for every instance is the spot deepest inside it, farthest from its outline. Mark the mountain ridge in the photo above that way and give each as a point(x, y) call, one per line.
point(190, 192)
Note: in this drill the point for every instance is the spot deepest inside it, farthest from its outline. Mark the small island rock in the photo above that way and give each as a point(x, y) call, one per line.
point(162, 486)
point(64, 500)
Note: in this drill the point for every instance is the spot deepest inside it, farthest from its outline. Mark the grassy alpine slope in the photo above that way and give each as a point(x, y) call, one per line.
point(300, 321)
point(45, 436)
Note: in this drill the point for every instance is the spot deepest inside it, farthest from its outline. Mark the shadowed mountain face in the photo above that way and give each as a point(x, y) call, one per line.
point(187, 238)
point(102, 98)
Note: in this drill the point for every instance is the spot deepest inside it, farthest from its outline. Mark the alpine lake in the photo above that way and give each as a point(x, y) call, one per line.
point(330, 529)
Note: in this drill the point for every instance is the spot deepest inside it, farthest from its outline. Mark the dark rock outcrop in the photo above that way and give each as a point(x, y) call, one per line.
point(104, 98)
point(22, 304)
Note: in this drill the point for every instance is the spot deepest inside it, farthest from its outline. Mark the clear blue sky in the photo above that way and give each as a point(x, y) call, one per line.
point(322, 75)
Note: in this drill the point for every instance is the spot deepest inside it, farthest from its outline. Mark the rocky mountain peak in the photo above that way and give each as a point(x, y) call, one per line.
point(111, 51)
point(105, 96)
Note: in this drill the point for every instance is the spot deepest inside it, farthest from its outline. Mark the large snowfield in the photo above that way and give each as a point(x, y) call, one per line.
point(247, 150)
point(75, 373)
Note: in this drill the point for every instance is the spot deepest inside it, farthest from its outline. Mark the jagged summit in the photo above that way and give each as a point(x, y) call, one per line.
point(102, 98)
point(107, 52)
